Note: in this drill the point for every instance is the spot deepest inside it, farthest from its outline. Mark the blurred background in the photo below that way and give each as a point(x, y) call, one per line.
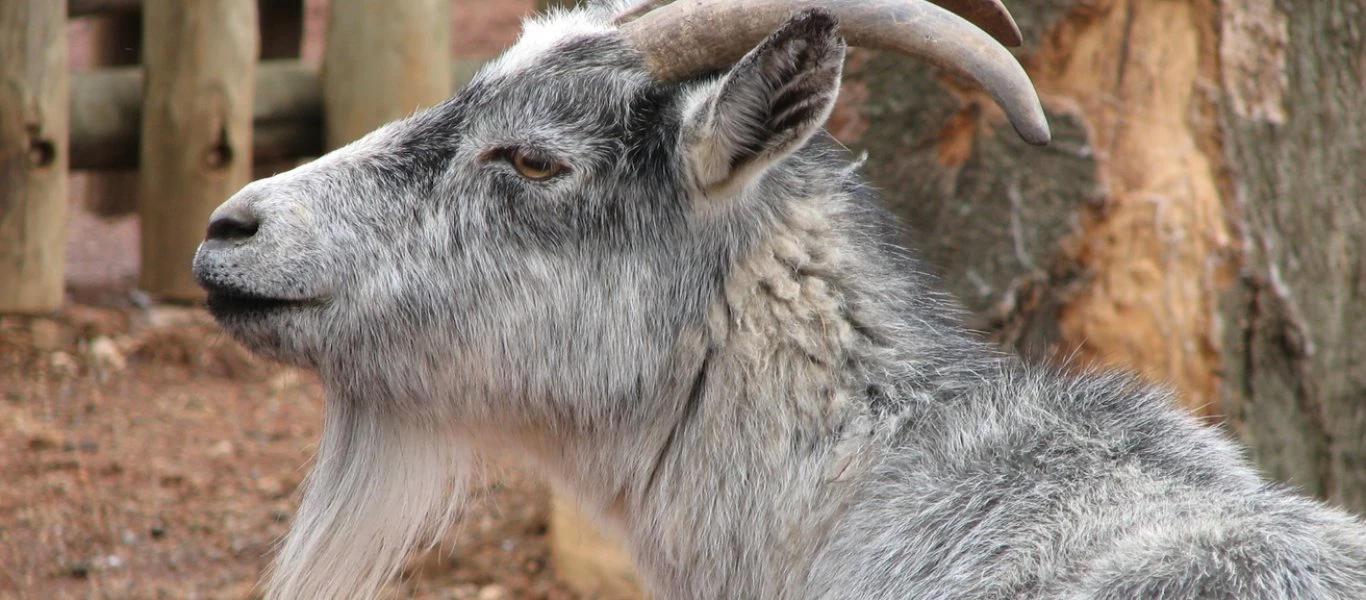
point(1198, 218)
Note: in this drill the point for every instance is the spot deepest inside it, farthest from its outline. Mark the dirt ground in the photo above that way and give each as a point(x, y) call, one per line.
point(145, 455)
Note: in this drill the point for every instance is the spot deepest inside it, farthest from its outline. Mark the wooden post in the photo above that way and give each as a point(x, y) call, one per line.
point(200, 62)
point(376, 69)
point(594, 564)
point(33, 154)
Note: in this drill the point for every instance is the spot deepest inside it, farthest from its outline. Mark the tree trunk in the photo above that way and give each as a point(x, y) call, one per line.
point(592, 561)
point(1294, 139)
point(33, 154)
point(1197, 218)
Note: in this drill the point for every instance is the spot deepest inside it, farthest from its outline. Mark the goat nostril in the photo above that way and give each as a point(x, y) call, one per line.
point(234, 227)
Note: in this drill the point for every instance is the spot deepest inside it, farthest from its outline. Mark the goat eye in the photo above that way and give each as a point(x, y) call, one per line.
point(534, 165)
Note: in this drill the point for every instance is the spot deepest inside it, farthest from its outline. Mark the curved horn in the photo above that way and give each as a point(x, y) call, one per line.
point(990, 15)
point(688, 37)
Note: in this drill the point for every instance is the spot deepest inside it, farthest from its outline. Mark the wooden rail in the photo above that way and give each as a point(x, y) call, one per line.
point(106, 115)
point(83, 8)
point(287, 108)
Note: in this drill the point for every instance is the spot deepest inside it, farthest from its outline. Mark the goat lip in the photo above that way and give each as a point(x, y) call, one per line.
point(224, 302)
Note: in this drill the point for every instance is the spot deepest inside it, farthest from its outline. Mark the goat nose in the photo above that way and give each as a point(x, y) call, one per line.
point(235, 224)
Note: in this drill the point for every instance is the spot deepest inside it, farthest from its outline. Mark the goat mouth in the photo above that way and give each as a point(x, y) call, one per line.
point(224, 302)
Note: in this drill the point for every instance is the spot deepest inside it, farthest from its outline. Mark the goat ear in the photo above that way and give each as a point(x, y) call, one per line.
point(772, 101)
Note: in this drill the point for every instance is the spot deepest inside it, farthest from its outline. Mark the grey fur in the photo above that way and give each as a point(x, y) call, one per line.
point(705, 331)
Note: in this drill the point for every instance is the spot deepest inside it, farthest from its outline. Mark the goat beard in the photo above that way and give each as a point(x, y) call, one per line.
point(380, 488)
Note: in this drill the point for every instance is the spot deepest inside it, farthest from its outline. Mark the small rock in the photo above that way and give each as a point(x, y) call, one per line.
point(63, 364)
point(47, 334)
point(285, 381)
point(157, 532)
point(271, 487)
point(493, 592)
point(105, 356)
point(463, 591)
point(162, 316)
point(129, 538)
point(223, 448)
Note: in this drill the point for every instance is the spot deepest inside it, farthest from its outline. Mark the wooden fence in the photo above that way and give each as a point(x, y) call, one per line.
point(220, 87)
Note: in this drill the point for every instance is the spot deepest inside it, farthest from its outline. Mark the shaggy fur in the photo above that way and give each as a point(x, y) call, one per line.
point(703, 329)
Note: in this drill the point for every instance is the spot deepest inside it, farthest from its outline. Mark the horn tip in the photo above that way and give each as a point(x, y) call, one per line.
point(1012, 38)
point(1036, 133)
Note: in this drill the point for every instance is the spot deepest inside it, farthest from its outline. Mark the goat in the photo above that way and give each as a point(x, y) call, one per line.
point(627, 257)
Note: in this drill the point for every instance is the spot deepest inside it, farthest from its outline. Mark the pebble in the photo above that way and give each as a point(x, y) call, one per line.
point(63, 364)
point(285, 381)
point(271, 487)
point(106, 356)
point(222, 448)
point(161, 316)
point(493, 592)
point(463, 591)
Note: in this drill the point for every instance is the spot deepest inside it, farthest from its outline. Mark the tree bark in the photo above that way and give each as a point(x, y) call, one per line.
point(1294, 138)
point(1197, 218)
point(33, 154)
point(196, 129)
